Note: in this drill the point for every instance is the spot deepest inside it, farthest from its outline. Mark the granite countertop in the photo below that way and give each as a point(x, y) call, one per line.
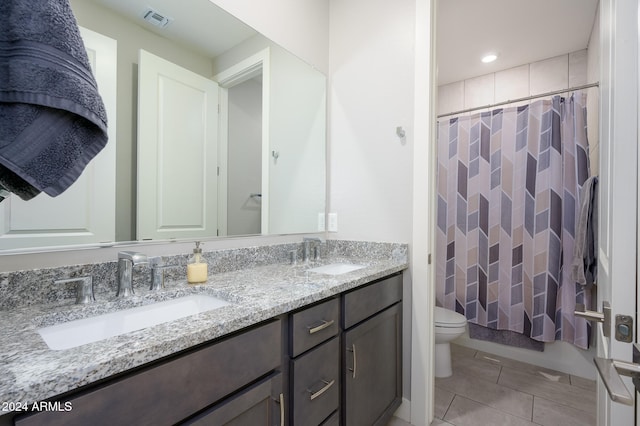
point(32, 372)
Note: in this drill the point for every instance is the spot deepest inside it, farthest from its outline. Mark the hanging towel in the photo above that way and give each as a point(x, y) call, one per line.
point(52, 119)
point(585, 262)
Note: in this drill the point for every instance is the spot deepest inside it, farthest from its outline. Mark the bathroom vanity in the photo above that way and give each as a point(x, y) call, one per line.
point(294, 347)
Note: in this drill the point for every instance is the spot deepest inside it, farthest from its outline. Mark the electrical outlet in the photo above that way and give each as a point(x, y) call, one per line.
point(321, 222)
point(333, 222)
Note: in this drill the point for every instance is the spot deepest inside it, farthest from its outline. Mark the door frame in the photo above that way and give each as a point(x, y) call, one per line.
point(618, 201)
point(236, 74)
point(421, 269)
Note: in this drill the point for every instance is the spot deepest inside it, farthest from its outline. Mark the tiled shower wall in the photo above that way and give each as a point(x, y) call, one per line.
point(557, 73)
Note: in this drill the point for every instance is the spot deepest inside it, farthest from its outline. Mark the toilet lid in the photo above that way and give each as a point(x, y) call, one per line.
point(446, 318)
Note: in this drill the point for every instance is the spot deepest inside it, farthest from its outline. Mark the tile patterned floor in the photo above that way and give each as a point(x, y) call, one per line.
point(486, 389)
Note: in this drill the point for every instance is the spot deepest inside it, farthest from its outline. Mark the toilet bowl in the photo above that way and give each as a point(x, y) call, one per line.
point(449, 325)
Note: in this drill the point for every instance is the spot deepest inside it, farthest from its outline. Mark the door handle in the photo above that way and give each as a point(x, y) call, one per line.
point(604, 317)
point(327, 385)
point(355, 360)
point(324, 324)
point(610, 371)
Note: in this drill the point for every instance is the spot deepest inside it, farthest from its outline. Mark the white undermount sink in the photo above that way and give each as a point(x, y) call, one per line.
point(336, 268)
point(87, 330)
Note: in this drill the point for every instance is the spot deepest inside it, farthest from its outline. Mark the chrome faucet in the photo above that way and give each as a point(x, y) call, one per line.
point(307, 248)
point(84, 288)
point(126, 261)
point(157, 272)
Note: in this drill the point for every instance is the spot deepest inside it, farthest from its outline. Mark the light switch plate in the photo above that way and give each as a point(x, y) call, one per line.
point(333, 222)
point(321, 222)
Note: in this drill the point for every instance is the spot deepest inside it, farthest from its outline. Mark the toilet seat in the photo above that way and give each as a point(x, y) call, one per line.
point(448, 319)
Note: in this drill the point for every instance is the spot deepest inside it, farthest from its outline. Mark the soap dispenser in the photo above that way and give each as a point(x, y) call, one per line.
point(196, 266)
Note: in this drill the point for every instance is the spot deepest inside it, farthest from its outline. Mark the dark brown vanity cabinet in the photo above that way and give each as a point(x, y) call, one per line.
point(336, 362)
point(232, 381)
point(372, 353)
point(314, 364)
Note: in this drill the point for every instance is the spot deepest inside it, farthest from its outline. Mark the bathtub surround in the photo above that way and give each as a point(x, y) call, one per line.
point(508, 185)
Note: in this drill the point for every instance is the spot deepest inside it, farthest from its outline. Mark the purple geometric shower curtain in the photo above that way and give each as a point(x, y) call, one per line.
point(508, 186)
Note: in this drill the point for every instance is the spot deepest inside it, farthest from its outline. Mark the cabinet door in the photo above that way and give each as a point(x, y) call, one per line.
point(315, 378)
point(372, 380)
point(175, 389)
point(260, 405)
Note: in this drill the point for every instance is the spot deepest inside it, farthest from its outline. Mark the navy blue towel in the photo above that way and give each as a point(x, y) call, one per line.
point(52, 119)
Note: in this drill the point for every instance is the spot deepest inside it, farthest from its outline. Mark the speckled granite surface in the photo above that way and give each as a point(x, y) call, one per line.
point(259, 283)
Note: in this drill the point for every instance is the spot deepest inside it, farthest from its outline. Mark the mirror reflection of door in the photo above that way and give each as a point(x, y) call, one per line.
point(177, 151)
point(244, 196)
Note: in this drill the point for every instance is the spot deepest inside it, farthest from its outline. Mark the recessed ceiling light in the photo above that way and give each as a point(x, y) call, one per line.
point(489, 58)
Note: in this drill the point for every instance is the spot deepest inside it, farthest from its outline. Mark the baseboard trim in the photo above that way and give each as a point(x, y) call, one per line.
point(404, 410)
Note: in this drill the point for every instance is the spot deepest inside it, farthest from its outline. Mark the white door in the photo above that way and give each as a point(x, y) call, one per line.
point(85, 212)
point(618, 222)
point(177, 151)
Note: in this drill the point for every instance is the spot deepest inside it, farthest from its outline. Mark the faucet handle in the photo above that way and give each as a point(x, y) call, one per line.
point(157, 272)
point(84, 288)
point(135, 257)
point(307, 248)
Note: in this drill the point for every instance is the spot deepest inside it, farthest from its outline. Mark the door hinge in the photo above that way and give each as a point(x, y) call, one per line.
point(218, 171)
point(429, 259)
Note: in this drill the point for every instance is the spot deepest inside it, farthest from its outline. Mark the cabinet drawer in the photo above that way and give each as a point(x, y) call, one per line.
point(333, 420)
point(169, 392)
point(363, 302)
point(259, 405)
point(315, 378)
point(314, 325)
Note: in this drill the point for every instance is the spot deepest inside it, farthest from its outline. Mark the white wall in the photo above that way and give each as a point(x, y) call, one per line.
point(244, 158)
point(379, 80)
point(297, 132)
point(371, 93)
point(300, 26)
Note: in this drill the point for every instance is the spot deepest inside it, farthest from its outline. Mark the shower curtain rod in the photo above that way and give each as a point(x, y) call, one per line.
point(526, 98)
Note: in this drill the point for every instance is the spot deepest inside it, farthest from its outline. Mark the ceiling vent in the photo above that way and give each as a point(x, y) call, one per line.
point(156, 18)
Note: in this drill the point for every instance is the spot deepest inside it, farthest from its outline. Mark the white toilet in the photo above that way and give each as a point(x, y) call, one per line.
point(449, 325)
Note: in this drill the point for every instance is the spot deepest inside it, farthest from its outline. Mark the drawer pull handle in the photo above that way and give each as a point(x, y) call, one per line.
point(353, 370)
point(281, 409)
point(326, 387)
point(320, 327)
